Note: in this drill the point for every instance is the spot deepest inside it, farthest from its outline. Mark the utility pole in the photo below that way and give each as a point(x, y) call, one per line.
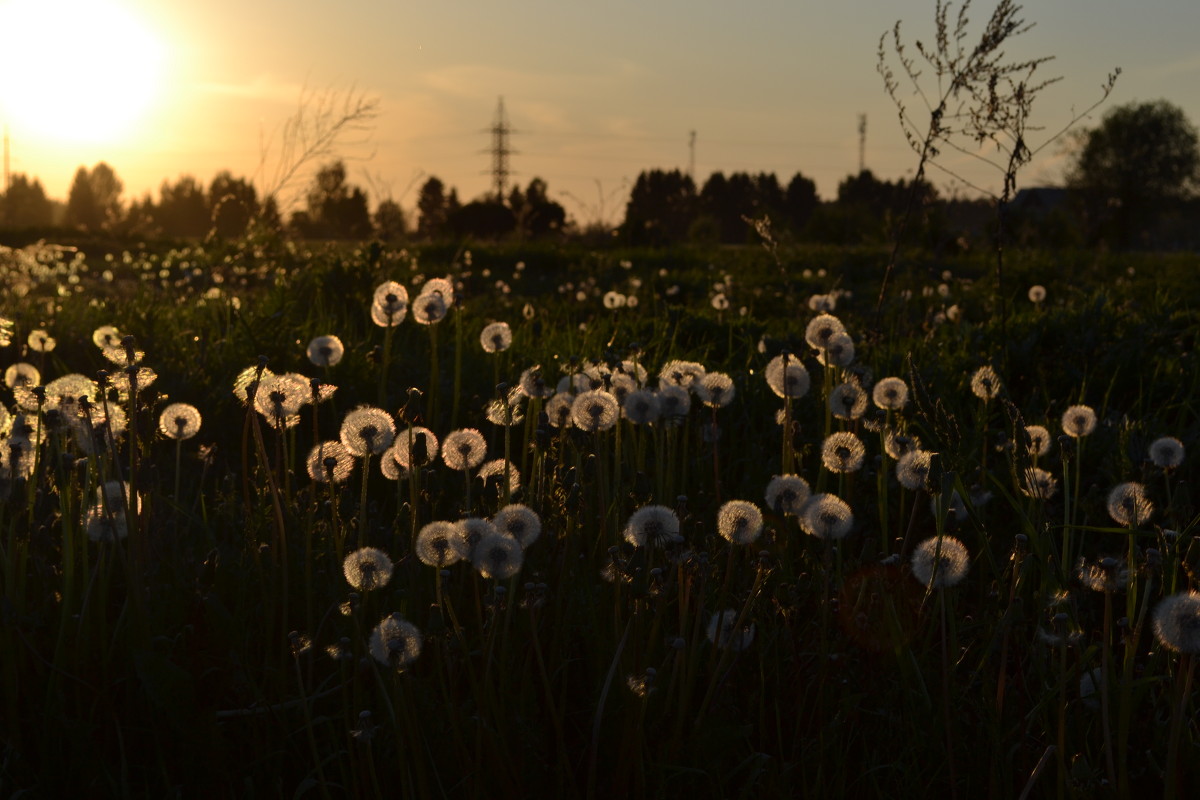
point(692, 156)
point(500, 150)
point(862, 143)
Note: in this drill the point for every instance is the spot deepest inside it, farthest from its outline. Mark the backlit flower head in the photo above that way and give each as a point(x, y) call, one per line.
point(106, 336)
point(985, 383)
point(680, 373)
point(1037, 293)
point(416, 445)
point(395, 642)
point(890, 394)
point(1079, 421)
point(595, 410)
point(429, 309)
point(389, 306)
point(652, 526)
point(498, 556)
point(1177, 622)
point(1166, 453)
point(787, 494)
point(641, 407)
point(791, 380)
point(1038, 440)
point(1039, 484)
point(22, 374)
point(940, 562)
point(367, 431)
point(464, 449)
point(848, 400)
point(279, 399)
point(443, 287)
point(520, 522)
point(722, 631)
point(367, 568)
point(1128, 505)
point(739, 522)
point(838, 351)
point(532, 384)
point(495, 337)
point(40, 341)
point(842, 452)
point(821, 330)
point(329, 461)
point(435, 544)
point(469, 532)
point(715, 389)
point(248, 377)
point(826, 516)
point(493, 472)
point(896, 444)
point(1105, 575)
point(913, 468)
point(179, 421)
point(558, 409)
point(326, 351)
point(674, 402)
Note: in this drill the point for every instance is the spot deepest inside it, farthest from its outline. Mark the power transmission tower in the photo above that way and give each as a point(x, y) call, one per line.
point(500, 150)
point(862, 143)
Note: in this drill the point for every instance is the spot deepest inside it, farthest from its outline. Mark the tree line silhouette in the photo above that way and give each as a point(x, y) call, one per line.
point(1133, 183)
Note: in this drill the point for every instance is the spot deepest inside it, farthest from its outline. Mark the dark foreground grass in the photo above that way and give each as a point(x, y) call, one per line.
point(204, 640)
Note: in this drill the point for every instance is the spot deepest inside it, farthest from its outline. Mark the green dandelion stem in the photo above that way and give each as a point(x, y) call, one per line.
point(1183, 680)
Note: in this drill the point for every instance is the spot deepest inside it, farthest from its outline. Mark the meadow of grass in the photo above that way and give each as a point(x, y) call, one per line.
point(189, 615)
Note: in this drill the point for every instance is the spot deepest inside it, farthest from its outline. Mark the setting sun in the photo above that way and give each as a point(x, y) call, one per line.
point(76, 70)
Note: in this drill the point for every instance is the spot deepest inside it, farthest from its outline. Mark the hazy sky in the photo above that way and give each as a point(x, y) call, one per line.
point(595, 92)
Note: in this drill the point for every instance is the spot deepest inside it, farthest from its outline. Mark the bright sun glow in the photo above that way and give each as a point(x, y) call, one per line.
point(76, 70)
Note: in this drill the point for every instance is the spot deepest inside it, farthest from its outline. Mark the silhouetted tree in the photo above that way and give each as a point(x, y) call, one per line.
point(433, 210)
point(390, 224)
point(182, 209)
point(25, 204)
point(661, 208)
point(800, 201)
point(1141, 162)
point(233, 202)
point(335, 210)
point(94, 200)
point(536, 214)
point(483, 219)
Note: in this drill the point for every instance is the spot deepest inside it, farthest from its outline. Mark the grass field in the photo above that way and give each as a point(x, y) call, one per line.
point(190, 615)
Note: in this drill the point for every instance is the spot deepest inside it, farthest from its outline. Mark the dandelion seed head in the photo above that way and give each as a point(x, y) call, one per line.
point(1128, 505)
point(520, 522)
point(493, 472)
point(787, 494)
point(429, 309)
point(1177, 622)
point(821, 330)
point(940, 562)
point(40, 341)
point(558, 409)
point(791, 380)
point(1039, 484)
point(715, 389)
point(367, 568)
point(739, 522)
point(532, 384)
point(415, 446)
point(723, 632)
point(435, 544)
point(641, 407)
point(395, 642)
point(826, 516)
point(22, 374)
point(1038, 440)
point(674, 402)
point(890, 394)
point(842, 452)
point(326, 351)
point(464, 449)
point(985, 383)
point(848, 400)
point(652, 526)
point(838, 351)
point(179, 421)
point(329, 462)
point(1079, 421)
point(913, 468)
point(496, 337)
point(468, 533)
point(106, 336)
point(1166, 452)
point(389, 306)
point(595, 410)
point(1037, 293)
point(680, 373)
point(1108, 575)
point(498, 556)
